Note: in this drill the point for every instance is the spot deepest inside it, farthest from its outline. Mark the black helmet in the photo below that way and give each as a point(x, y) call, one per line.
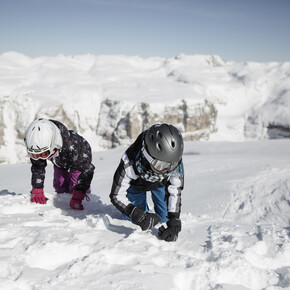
point(164, 144)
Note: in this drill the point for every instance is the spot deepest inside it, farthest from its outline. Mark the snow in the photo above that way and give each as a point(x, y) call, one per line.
point(235, 234)
point(235, 205)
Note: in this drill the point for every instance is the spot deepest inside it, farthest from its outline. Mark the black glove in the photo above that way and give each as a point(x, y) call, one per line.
point(144, 219)
point(170, 233)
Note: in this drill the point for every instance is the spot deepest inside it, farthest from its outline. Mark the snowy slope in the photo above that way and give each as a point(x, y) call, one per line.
point(235, 235)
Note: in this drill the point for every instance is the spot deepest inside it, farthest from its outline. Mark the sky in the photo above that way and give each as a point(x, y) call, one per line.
point(240, 30)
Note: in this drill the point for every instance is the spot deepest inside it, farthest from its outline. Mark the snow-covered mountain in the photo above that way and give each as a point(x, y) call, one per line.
point(111, 99)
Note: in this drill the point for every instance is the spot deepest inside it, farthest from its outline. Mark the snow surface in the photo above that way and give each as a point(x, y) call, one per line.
point(236, 201)
point(235, 215)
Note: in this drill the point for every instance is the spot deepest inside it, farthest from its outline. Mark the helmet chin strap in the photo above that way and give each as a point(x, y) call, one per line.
point(55, 154)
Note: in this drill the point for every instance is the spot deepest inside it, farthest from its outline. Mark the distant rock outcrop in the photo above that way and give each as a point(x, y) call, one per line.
point(119, 123)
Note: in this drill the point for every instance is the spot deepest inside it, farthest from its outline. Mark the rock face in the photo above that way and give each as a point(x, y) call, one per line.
point(271, 119)
point(13, 124)
point(196, 122)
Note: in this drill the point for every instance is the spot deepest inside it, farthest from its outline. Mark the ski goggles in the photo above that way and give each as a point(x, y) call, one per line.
point(46, 154)
point(159, 165)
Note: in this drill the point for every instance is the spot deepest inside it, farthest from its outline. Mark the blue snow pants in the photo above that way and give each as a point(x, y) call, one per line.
point(139, 198)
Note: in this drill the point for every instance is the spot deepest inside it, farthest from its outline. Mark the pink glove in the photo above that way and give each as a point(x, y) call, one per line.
point(76, 200)
point(37, 196)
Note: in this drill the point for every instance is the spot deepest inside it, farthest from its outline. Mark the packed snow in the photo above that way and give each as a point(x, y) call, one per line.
point(235, 235)
point(235, 204)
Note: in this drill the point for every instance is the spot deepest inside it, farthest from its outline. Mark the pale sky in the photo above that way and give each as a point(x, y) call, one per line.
point(239, 30)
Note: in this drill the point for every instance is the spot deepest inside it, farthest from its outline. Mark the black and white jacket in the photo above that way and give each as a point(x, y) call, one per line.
point(127, 176)
point(74, 155)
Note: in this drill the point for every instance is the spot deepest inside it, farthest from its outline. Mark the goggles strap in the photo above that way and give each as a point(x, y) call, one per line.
point(147, 155)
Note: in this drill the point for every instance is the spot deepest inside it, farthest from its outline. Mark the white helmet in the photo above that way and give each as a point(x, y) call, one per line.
point(42, 139)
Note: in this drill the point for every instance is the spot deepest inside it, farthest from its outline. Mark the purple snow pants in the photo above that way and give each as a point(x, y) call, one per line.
point(64, 181)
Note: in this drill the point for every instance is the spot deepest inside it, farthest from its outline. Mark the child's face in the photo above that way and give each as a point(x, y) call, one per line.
point(159, 172)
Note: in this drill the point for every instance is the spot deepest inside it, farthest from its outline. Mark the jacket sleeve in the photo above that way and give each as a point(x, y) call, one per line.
point(38, 173)
point(174, 188)
point(121, 182)
point(85, 166)
point(85, 178)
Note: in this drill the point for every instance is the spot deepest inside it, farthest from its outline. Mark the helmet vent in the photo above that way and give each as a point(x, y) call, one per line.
point(159, 146)
point(159, 134)
point(173, 144)
point(151, 136)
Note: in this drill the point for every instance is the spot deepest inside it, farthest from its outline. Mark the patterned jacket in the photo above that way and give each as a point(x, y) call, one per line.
point(127, 176)
point(74, 155)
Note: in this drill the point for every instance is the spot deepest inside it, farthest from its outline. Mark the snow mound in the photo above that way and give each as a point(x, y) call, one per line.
point(264, 198)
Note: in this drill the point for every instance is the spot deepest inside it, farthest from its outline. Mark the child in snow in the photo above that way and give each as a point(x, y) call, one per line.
point(69, 152)
point(152, 163)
